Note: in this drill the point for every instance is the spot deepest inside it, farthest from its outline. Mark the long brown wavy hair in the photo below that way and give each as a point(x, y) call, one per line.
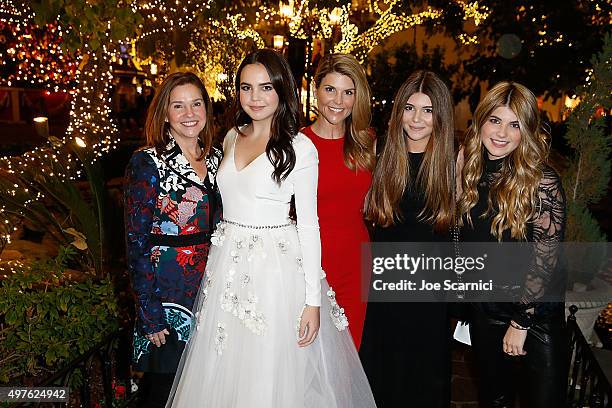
point(435, 177)
point(286, 119)
point(358, 142)
point(157, 130)
point(513, 196)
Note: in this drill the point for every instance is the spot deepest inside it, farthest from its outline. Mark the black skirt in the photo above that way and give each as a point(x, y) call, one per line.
point(405, 353)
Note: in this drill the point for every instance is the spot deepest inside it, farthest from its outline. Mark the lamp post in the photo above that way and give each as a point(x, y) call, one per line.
point(41, 124)
point(335, 17)
point(309, 27)
point(279, 42)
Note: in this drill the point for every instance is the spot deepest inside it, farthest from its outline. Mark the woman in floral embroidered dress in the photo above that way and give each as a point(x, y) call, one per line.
point(171, 205)
point(264, 337)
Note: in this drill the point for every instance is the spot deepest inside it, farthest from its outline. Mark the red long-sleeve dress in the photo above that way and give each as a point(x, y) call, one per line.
point(341, 195)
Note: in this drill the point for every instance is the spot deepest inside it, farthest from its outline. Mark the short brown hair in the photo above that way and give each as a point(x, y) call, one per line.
point(157, 130)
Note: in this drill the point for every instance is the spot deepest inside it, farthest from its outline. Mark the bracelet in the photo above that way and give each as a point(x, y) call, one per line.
point(517, 326)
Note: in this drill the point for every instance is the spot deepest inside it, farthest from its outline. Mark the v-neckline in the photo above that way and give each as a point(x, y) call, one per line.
point(179, 152)
point(234, 157)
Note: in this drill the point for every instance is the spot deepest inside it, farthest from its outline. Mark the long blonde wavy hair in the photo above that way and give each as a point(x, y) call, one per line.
point(435, 177)
point(513, 196)
point(358, 142)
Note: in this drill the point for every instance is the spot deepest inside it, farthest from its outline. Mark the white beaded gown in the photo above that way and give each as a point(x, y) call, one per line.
point(261, 272)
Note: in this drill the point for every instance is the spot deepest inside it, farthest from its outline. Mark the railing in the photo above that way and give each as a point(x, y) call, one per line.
point(100, 367)
point(588, 384)
point(109, 359)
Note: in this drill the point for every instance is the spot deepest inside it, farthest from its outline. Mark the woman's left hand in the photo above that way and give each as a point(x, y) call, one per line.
point(514, 340)
point(309, 325)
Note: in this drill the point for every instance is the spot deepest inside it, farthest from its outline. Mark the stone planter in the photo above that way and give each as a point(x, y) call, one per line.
point(590, 303)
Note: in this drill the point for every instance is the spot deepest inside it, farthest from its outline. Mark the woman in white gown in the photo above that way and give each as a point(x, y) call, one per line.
point(257, 340)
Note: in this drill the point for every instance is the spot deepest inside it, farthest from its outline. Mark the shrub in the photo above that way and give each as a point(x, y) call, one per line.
point(47, 320)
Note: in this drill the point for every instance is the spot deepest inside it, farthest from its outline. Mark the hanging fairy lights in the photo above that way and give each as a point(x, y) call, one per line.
point(305, 22)
point(90, 116)
point(33, 56)
point(208, 50)
point(163, 16)
point(467, 39)
point(474, 11)
point(14, 11)
point(39, 60)
point(386, 25)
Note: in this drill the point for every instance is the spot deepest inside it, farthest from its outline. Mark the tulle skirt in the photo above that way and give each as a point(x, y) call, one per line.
point(243, 351)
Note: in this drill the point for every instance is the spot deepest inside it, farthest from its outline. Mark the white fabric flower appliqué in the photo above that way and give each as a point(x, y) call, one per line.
point(218, 236)
point(220, 338)
point(283, 245)
point(337, 313)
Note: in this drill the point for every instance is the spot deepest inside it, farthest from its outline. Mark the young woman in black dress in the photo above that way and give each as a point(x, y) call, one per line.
point(405, 349)
point(509, 193)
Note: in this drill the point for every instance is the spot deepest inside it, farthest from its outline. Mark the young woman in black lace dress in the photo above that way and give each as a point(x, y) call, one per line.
point(509, 193)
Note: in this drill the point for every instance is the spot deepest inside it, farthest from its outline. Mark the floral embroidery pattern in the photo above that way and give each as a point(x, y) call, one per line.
point(336, 313)
point(164, 196)
point(220, 338)
point(244, 310)
point(283, 245)
point(218, 236)
point(240, 242)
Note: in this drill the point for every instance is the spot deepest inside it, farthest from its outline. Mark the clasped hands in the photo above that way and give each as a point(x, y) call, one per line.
point(158, 338)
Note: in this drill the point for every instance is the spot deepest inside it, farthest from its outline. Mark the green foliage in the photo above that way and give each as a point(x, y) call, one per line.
point(43, 190)
point(586, 179)
point(47, 321)
point(92, 22)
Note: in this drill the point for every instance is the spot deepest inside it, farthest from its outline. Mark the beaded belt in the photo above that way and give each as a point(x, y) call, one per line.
point(257, 227)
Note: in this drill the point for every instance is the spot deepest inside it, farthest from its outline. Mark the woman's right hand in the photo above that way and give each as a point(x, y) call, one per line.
point(158, 338)
point(514, 340)
point(309, 326)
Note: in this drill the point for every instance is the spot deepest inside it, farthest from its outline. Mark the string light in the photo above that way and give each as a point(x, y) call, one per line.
point(467, 39)
point(387, 24)
point(88, 77)
point(475, 11)
point(162, 16)
point(12, 12)
point(208, 51)
point(33, 56)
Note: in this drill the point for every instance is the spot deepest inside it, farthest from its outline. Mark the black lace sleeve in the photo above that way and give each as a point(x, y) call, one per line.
point(548, 233)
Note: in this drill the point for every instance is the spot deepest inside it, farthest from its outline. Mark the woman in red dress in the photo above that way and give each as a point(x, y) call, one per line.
point(345, 144)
